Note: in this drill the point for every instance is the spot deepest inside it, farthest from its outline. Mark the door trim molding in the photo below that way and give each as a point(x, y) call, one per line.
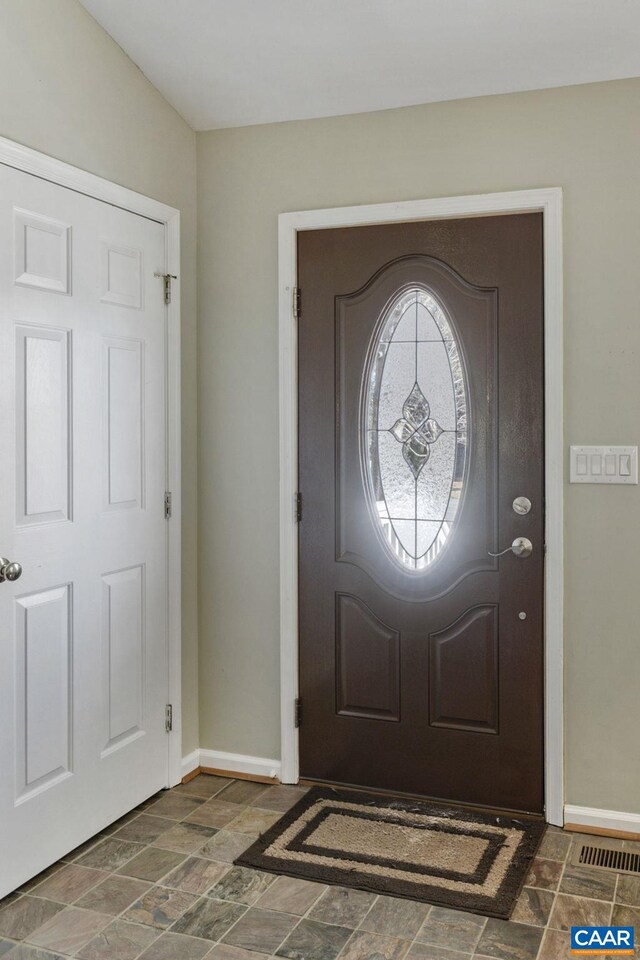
point(63, 174)
point(547, 201)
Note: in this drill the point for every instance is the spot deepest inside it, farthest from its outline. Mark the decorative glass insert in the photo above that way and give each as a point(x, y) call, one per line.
point(415, 428)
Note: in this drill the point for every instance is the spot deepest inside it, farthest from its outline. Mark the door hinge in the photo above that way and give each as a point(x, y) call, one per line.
point(168, 504)
point(167, 277)
point(168, 718)
point(295, 303)
point(298, 507)
point(297, 712)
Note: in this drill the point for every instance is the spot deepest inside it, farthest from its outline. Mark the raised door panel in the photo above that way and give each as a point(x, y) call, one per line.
point(367, 663)
point(123, 653)
point(121, 275)
point(43, 444)
point(463, 672)
point(43, 690)
point(42, 252)
point(123, 424)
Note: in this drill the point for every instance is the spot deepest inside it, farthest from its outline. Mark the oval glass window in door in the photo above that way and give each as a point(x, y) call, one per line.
point(414, 432)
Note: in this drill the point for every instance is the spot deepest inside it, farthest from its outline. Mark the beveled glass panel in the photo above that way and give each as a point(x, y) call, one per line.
point(397, 486)
point(434, 486)
point(434, 378)
point(394, 390)
point(414, 428)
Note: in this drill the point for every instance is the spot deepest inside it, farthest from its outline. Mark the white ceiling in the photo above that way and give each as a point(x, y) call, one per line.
point(227, 63)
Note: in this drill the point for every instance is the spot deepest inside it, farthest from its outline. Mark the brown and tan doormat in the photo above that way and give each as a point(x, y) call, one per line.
point(417, 849)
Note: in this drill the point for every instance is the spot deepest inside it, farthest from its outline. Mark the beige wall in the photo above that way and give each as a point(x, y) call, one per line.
point(585, 139)
point(68, 90)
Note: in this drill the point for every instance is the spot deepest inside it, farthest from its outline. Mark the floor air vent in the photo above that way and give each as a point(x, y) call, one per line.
point(602, 857)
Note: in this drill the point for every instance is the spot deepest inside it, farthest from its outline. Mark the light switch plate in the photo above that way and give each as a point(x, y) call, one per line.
point(603, 465)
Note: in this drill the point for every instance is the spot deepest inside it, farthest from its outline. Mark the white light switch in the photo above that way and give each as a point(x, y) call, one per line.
point(604, 465)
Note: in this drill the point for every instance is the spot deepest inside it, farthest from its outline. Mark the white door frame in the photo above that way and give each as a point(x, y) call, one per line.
point(47, 168)
point(549, 202)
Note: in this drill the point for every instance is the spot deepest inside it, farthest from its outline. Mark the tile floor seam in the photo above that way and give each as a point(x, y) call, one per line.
point(409, 941)
point(220, 789)
point(56, 950)
point(189, 936)
point(171, 869)
point(375, 900)
point(193, 936)
point(613, 903)
point(141, 925)
point(124, 862)
point(121, 915)
point(72, 903)
point(209, 943)
point(305, 916)
point(322, 922)
point(243, 914)
point(300, 919)
point(328, 923)
point(255, 907)
point(204, 896)
point(482, 929)
point(562, 873)
point(578, 896)
point(144, 813)
point(555, 898)
point(538, 926)
point(532, 886)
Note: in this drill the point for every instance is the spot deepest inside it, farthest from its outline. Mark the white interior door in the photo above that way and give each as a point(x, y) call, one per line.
point(83, 632)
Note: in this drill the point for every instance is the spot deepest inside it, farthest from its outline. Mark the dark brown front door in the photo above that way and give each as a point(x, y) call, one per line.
point(420, 424)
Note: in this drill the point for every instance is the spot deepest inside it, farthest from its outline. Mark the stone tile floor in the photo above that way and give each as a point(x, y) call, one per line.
point(160, 885)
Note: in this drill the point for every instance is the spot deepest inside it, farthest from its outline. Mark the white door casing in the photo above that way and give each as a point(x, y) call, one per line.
point(549, 202)
point(88, 438)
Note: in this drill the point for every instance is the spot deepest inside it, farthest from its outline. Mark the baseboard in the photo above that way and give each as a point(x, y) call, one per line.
point(603, 822)
point(231, 763)
point(190, 763)
point(240, 763)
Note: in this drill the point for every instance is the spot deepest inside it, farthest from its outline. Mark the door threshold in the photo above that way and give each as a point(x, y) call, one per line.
point(379, 791)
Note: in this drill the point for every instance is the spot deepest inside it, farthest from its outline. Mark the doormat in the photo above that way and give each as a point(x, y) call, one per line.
point(403, 848)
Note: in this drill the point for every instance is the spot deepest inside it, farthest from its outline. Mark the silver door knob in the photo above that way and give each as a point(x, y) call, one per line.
point(9, 570)
point(521, 547)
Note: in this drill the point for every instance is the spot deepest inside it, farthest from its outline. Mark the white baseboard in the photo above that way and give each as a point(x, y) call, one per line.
point(190, 763)
point(240, 763)
point(602, 819)
point(233, 762)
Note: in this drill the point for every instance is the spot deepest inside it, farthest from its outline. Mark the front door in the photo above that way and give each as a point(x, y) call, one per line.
point(420, 459)
point(83, 632)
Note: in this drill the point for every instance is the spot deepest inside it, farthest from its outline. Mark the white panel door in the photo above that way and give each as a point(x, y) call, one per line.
point(83, 632)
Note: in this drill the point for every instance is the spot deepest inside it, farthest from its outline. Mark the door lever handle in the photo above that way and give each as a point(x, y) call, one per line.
point(521, 547)
point(9, 570)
